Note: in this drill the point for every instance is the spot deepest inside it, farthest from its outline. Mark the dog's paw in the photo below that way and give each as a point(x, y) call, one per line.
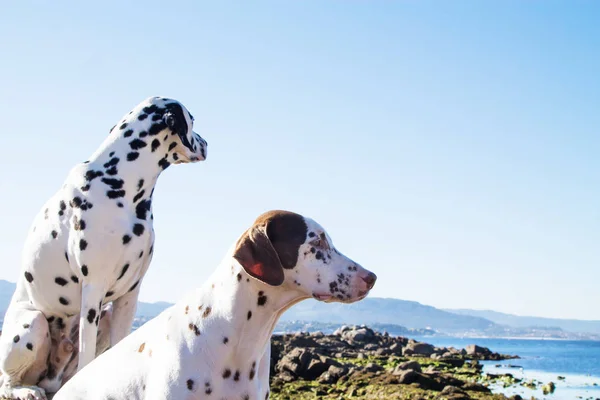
point(23, 393)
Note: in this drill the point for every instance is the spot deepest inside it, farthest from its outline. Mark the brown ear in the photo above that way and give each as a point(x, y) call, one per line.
point(256, 254)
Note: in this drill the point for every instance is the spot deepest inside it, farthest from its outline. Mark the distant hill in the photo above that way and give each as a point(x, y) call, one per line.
point(385, 311)
point(401, 316)
point(570, 325)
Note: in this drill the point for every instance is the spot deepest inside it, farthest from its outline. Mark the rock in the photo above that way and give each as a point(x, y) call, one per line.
point(409, 365)
point(333, 374)
point(302, 363)
point(383, 352)
point(340, 330)
point(454, 393)
point(295, 361)
point(396, 348)
point(359, 335)
point(372, 367)
point(473, 350)
point(407, 377)
point(475, 387)
point(424, 349)
point(548, 388)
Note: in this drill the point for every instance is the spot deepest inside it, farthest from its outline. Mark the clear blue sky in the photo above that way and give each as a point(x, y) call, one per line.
point(451, 147)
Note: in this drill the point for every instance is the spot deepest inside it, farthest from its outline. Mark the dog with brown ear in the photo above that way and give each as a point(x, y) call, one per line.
point(216, 341)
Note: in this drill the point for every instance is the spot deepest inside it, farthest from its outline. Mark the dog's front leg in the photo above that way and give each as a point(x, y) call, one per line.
point(123, 314)
point(91, 304)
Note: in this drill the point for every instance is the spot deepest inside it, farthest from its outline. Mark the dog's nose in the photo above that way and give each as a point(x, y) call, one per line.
point(369, 279)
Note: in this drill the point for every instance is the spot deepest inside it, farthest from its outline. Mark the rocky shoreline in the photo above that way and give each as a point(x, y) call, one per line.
point(359, 363)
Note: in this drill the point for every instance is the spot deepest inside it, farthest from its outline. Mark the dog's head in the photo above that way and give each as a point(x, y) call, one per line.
point(288, 250)
point(167, 126)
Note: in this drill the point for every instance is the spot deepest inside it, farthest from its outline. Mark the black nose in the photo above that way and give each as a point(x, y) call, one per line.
point(370, 280)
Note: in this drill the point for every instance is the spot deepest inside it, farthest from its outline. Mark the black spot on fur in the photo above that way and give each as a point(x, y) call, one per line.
point(262, 299)
point(83, 244)
point(60, 323)
point(138, 229)
point(63, 207)
point(126, 239)
point(155, 144)
point(78, 224)
point(172, 146)
point(140, 184)
point(142, 117)
point(239, 277)
point(109, 293)
point(236, 376)
point(60, 281)
point(91, 315)
point(141, 210)
point(84, 270)
point(112, 171)
point(319, 255)
point(113, 161)
point(226, 373)
point(225, 340)
point(134, 286)
point(74, 279)
point(139, 195)
point(252, 370)
point(155, 129)
point(76, 202)
point(137, 144)
point(113, 183)
point(91, 175)
point(249, 315)
point(67, 256)
point(63, 301)
point(125, 268)
point(28, 276)
point(190, 384)
point(16, 339)
point(123, 126)
point(54, 234)
point(115, 194)
point(150, 109)
point(29, 346)
point(163, 163)
point(132, 156)
point(195, 329)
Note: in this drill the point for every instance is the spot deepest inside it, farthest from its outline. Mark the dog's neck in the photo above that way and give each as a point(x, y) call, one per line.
point(246, 310)
point(137, 161)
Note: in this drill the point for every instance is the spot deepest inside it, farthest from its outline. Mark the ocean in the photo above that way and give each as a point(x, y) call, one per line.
point(544, 360)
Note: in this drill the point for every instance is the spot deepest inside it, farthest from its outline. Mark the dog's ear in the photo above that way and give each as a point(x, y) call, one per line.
point(176, 122)
point(256, 254)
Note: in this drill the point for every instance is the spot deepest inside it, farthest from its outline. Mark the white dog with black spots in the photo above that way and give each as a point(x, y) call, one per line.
point(89, 246)
point(215, 342)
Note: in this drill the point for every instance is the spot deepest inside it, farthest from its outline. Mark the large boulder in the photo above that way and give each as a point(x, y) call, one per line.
point(417, 348)
point(305, 364)
point(358, 334)
point(406, 366)
point(333, 374)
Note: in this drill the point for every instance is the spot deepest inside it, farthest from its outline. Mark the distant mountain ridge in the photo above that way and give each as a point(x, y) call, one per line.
point(571, 325)
point(403, 314)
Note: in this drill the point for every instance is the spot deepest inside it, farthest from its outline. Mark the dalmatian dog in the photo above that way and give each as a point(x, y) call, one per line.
point(89, 247)
point(215, 342)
